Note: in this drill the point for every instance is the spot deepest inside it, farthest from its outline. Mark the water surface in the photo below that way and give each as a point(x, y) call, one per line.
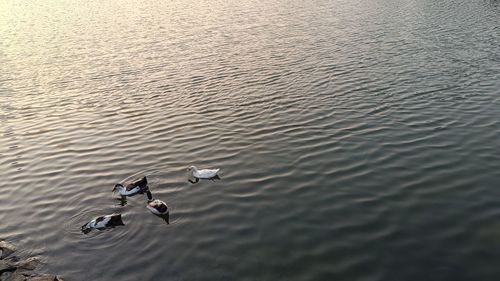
point(358, 140)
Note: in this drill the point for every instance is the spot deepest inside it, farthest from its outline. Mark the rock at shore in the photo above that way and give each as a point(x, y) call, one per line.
point(16, 276)
point(6, 276)
point(6, 266)
point(6, 249)
point(14, 268)
point(44, 277)
point(29, 263)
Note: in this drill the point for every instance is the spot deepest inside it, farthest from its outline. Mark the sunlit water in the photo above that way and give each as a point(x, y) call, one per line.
point(358, 140)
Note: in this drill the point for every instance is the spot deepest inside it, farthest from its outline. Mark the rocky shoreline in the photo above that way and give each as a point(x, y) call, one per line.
point(13, 268)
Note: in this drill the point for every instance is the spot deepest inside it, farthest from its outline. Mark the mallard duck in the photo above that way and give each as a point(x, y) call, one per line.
point(103, 222)
point(203, 173)
point(132, 188)
point(157, 207)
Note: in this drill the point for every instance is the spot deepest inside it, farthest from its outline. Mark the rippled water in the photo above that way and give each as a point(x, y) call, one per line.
point(358, 140)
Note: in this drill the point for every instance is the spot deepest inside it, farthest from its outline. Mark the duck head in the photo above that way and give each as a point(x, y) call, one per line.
point(149, 195)
point(117, 187)
point(86, 228)
point(192, 168)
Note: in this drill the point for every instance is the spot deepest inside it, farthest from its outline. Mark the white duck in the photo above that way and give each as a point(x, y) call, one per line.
point(132, 188)
point(157, 207)
point(203, 173)
point(103, 222)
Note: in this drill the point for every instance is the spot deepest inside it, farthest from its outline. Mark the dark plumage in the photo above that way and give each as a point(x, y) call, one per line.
point(115, 221)
point(103, 222)
point(132, 188)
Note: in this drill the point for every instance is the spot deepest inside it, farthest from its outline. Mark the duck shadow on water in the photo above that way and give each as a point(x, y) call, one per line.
point(196, 180)
point(122, 200)
point(165, 217)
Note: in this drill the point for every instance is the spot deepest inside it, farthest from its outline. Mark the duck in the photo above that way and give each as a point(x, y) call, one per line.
point(157, 207)
point(203, 173)
point(132, 188)
point(103, 222)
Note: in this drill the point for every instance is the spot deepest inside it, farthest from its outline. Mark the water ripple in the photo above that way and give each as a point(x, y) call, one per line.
point(357, 140)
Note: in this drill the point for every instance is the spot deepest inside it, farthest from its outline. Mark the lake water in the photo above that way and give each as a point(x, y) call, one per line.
point(358, 140)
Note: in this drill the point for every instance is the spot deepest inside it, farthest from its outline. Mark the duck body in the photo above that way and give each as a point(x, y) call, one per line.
point(103, 222)
point(203, 173)
point(157, 207)
point(132, 188)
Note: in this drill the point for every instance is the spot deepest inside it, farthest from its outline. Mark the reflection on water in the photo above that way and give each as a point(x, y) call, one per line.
point(122, 200)
point(359, 139)
point(165, 217)
point(194, 180)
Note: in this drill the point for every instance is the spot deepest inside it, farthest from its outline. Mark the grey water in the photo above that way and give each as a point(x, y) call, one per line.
point(357, 140)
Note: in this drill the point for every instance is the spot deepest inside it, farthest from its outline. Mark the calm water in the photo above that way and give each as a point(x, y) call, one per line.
point(358, 140)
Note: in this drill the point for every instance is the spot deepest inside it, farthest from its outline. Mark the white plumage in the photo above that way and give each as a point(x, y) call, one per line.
point(132, 188)
point(95, 223)
point(124, 192)
point(203, 173)
point(103, 222)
